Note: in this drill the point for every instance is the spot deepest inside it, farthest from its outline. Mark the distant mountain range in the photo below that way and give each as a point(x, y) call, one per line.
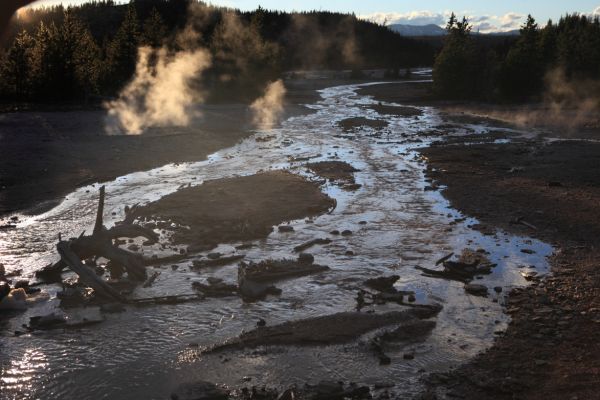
point(435, 30)
point(418, 30)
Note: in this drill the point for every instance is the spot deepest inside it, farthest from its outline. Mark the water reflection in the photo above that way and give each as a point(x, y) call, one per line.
point(149, 350)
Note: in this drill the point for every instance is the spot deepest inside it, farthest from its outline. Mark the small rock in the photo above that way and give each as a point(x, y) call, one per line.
point(383, 283)
point(349, 253)
point(335, 232)
point(261, 322)
point(498, 289)
point(346, 232)
point(408, 356)
point(286, 228)
point(213, 281)
point(214, 256)
point(412, 298)
point(476, 289)
point(384, 360)
point(306, 258)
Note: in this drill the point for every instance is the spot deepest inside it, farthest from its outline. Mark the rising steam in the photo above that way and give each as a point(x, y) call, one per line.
point(567, 105)
point(161, 92)
point(268, 109)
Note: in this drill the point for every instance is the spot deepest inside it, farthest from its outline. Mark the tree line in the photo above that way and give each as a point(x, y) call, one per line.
point(517, 70)
point(89, 51)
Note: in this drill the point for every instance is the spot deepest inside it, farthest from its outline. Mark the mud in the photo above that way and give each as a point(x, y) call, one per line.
point(551, 191)
point(334, 170)
point(395, 222)
point(237, 209)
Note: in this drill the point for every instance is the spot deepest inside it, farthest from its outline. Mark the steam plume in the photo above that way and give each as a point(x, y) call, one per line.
point(568, 105)
point(161, 92)
point(268, 109)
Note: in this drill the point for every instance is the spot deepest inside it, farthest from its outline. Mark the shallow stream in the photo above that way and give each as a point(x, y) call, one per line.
point(145, 352)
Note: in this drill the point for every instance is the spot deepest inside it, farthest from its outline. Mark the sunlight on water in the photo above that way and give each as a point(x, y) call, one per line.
point(397, 225)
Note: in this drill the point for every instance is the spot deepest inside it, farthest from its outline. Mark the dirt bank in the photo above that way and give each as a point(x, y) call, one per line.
point(551, 349)
point(237, 209)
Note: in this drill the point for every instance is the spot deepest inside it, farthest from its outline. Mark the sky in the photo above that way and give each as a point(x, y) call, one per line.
point(485, 15)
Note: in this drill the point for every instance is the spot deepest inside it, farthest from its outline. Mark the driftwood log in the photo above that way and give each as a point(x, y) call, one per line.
point(100, 244)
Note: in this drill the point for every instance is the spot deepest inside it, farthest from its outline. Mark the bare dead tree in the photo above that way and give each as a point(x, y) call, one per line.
point(100, 244)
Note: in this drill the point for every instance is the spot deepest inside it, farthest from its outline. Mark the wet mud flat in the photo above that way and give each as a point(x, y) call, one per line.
point(549, 190)
point(352, 279)
point(236, 209)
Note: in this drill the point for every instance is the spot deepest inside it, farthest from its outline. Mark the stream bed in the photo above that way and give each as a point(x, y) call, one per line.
point(397, 223)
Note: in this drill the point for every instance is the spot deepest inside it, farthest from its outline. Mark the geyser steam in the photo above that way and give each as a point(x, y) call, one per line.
point(268, 108)
point(161, 92)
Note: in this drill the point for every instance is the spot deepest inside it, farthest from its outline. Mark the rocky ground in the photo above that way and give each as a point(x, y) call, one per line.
point(550, 191)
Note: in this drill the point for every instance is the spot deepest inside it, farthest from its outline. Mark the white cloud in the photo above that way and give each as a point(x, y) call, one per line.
point(596, 11)
point(409, 18)
point(481, 23)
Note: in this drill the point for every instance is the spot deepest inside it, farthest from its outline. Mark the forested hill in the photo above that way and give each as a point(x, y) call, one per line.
point(90, 50)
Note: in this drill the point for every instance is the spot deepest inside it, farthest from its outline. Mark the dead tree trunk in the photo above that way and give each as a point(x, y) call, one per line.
point(100, 244)
point(86, 275)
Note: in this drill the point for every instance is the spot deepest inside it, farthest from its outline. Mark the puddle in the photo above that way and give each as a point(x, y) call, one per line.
point(145, 352)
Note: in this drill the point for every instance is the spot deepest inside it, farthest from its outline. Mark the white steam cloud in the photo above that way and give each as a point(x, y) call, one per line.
point(160, 93)
point(268, 109)
point(167, 84)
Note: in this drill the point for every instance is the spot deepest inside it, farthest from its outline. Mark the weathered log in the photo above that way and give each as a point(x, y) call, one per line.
point(325, 330)
point(277, 270)
point(311, 243)
point(99, 244)
point(86, 275)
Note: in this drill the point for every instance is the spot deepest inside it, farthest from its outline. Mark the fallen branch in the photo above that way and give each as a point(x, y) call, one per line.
point(87, 276)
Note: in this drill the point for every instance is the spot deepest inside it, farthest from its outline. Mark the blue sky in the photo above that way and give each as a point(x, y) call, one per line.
point(486, 15)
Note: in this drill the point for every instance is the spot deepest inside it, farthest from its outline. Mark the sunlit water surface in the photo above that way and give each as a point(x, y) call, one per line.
point(144, 353)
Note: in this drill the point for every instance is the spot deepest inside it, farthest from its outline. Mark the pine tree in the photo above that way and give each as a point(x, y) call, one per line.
point(455, 70)
point(154, 30)
point(122, 51)
point(522, 73)
point(16, 68)
point(46, 61)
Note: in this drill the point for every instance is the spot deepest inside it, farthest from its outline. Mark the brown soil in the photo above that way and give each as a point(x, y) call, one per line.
point(237, 209)
point(551, 349)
